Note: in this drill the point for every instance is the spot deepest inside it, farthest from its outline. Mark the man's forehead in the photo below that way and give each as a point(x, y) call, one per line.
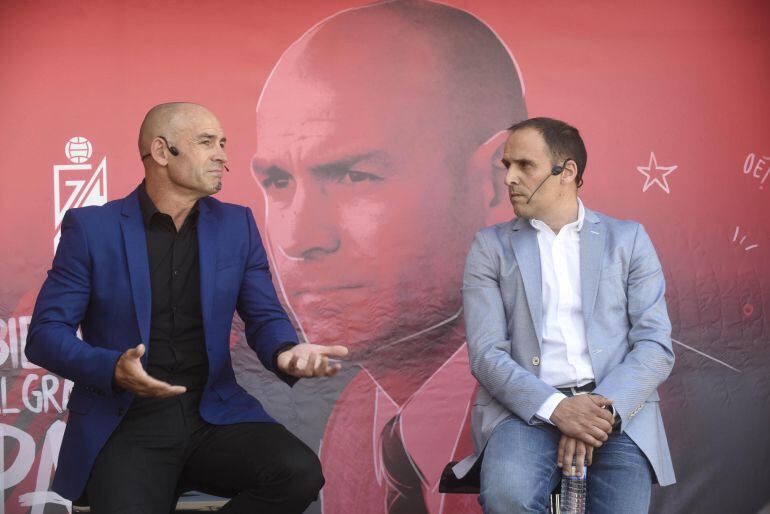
point(524, 140)
point(303, 147)
point(208, 132)
point(196, 124)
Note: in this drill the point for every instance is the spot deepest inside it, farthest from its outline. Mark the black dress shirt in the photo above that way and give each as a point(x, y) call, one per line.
point(177, 349)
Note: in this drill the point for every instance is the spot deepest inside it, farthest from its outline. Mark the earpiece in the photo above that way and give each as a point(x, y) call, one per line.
point(171, 149)
point(558, 169)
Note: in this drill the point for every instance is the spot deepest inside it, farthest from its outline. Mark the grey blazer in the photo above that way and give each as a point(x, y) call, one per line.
point(627, 329)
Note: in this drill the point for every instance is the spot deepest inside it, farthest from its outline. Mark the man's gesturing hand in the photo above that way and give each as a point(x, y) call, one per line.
point(131, 376)
point(583, 417)
point(311, 360)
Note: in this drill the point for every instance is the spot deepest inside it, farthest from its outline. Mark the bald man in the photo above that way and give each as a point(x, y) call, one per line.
point(378, 143)
point(153, 281)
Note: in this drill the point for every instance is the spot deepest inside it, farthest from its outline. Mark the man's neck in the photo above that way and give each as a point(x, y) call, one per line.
point(403, 368)
point(561, 215)
point(169, 201)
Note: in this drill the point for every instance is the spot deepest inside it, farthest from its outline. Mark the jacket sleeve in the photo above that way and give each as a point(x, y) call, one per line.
point(268, 328)
point(60, 308)
point(516, 388)
point(651, 357)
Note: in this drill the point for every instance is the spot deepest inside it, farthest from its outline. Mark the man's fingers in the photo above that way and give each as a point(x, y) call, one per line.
point(293, 363)
point(312, 360)
point(136, 352)
point(560, 451)
point(170, 390)
point(589, 455)
point(569, 454)
point(580, 456)
point(590, 440)
point(600, 400)
point(598, 433)
point(606, 415)
point(163, 389)
point(311, 363)
point(334, 368)
point(603, 425)
point(334, 351)
point(152, 387)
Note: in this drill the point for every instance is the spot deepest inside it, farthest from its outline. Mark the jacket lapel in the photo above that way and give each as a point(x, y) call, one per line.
point(592, 238)
point(135, 241)
point(207, 255)
point(527, 251)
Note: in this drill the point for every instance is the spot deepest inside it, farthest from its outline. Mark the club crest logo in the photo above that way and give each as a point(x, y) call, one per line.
point(77, 184)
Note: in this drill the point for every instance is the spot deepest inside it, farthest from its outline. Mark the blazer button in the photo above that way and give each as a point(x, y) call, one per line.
point(536, 361)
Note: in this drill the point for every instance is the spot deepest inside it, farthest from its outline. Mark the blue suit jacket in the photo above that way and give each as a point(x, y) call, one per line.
point(100, 281)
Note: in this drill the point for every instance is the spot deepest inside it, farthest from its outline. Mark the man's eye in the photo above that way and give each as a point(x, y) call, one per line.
point(351, 177)
point(357, 176)
point(276, 181)
point(205, 142)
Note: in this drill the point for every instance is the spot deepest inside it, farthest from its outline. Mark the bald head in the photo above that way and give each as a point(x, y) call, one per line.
point(376, 142)
point(168, 120)
point(427, 65)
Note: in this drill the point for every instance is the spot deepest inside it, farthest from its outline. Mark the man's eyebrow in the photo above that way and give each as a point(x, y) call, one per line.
point(265, 168)
point(207, 135)
point(348, 162)
point(520, 162)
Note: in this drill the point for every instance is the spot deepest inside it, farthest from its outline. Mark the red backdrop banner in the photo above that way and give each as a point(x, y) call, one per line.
point(366, 140)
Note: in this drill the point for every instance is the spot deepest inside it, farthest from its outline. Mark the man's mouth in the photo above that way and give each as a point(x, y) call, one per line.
point(325, 289)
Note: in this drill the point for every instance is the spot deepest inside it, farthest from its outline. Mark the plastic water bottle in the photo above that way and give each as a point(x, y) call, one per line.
point(572, 499)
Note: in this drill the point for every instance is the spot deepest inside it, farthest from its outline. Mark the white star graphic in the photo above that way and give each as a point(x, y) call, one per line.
point(655, 174)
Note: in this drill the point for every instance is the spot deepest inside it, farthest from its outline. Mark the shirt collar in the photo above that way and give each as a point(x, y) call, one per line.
point(146, 205)
point(149, 209)
point(576, 225)
point(430, 444)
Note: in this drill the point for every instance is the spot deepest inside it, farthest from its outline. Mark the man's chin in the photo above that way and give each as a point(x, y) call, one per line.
point(361, 349)
point(520, 211)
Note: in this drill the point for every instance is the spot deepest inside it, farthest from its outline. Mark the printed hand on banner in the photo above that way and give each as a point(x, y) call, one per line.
point(569, 449)
point(131, 376)
point(584, 417)
point(311, 360)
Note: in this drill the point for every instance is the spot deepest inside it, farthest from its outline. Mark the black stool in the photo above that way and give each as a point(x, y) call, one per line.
point(189, 502)
point(471, 484)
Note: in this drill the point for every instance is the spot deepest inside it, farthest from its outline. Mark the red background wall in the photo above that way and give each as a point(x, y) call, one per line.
point(687, 81)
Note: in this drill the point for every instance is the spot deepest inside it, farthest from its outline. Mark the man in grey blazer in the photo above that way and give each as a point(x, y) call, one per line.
point(562, 301)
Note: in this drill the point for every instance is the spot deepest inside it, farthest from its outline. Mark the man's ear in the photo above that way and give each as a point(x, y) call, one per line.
point(486, 163)
point(569, 174)
point(159, 152)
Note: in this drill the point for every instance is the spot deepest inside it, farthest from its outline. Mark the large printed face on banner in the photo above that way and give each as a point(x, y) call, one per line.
point(376, 155)
point(376, 159)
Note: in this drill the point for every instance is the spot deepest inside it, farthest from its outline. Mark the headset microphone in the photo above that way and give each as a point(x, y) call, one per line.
point(556, 170)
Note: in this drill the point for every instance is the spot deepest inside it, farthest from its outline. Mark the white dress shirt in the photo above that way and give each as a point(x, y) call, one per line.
point(564, 360)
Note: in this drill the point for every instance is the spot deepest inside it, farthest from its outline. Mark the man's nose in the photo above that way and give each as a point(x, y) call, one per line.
point(511, 177)
point(314, 232)
point(221, 156)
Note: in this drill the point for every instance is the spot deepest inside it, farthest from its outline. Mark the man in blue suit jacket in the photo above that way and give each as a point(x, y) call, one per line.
point(153, 281)
point(562, 301)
